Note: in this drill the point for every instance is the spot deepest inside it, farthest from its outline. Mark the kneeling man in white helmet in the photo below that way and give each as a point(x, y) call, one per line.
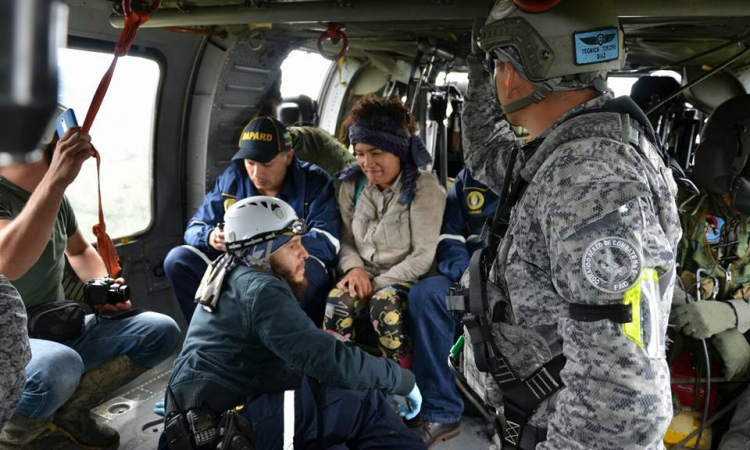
point(251, 341)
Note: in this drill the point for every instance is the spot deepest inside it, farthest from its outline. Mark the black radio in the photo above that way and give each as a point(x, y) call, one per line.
point(202, 427)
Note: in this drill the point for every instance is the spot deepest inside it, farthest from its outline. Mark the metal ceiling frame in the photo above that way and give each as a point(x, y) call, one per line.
point(413, 10)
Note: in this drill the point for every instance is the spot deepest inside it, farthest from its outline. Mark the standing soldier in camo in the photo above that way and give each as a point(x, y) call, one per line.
point(588, 242)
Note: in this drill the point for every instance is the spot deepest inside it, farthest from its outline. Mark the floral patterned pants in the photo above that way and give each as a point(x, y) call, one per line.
point(386, 309)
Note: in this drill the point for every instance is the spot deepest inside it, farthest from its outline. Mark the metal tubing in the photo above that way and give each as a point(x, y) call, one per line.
point(411, 10)
point(681, 9)
point(314, 12)
point(700, 79)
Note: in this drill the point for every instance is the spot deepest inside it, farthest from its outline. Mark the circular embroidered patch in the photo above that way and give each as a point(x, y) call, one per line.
point(474, 200)
point(612, 264)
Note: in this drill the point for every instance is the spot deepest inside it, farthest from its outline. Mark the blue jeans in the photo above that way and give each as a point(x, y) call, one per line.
point(433, 331)
point(53, 373)
point(185, 266)
point(348, 419)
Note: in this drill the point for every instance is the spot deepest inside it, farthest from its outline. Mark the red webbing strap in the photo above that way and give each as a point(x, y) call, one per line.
point(133, 19)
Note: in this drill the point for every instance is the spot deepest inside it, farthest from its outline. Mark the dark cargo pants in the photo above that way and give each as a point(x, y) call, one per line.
point(329, 418)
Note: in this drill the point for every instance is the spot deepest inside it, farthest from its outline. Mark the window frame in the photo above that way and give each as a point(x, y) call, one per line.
point(108, 47)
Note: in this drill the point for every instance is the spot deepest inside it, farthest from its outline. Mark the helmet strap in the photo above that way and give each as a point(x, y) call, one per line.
point(537, 96)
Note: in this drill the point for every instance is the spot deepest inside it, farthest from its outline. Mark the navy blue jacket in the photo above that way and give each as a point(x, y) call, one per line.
point(469, 205)
point(307, 188)
point(258, 340)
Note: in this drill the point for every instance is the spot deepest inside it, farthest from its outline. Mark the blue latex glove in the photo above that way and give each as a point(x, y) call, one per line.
point(414, 402)
point(159, 408)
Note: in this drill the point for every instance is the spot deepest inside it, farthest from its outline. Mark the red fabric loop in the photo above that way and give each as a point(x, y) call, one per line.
point(536, 6)
point(335, 33)
point(133, 20)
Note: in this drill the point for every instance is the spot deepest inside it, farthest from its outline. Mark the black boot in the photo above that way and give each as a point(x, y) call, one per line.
point(74, 417)
point(21, 433)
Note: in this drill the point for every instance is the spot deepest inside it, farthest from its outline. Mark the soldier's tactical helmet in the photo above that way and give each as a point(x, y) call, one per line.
point(558, 45)
point(721, 160)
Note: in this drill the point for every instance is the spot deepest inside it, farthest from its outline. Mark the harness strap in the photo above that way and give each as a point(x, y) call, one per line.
point(521, 398)
point(592, 313)
point(502, 213)
point(133, 19)
point(359, 187)
point(475, 222)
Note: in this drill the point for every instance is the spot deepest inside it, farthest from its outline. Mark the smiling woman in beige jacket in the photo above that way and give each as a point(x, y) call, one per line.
point(391, 213)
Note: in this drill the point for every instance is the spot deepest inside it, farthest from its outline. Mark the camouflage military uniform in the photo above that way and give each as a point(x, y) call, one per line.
point(14, 349)
point(709, 222)
point(588, 195)
point(708, 226)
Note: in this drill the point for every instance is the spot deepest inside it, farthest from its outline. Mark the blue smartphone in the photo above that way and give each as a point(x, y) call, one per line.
point(65, 121)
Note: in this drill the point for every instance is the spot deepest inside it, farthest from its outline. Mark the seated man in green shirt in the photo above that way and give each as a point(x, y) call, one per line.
point(65, 379)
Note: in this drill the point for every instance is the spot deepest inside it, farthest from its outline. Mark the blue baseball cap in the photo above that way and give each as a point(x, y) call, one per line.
point(263, 139)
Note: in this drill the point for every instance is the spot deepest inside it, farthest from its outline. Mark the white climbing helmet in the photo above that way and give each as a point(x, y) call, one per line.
point(259, 219)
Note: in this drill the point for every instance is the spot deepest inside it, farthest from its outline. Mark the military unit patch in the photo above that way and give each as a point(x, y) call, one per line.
point(612, 264)
point(714, 228)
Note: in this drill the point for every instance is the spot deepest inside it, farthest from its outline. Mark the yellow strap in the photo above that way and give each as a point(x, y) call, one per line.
point(341, 63)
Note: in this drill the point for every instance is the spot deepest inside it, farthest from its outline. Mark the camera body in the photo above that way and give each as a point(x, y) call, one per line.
point(104, 291)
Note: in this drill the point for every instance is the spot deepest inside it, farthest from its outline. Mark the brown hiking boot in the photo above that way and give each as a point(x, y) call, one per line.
point(433, 433)
point(74, 417)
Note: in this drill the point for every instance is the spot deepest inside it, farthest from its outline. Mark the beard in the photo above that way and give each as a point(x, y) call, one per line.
point(299, 288)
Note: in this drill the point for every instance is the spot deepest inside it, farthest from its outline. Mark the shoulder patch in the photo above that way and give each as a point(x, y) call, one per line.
point(474, 200)
point(714, 228)
point(612, 264)
point(598, 46)
point(228, 202)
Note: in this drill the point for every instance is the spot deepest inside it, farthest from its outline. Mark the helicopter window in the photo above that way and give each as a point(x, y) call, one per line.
point(621, 85)
point(123, 133)
point(303, 73)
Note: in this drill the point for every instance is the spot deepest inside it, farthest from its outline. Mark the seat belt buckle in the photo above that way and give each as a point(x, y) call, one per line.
point(458, 302)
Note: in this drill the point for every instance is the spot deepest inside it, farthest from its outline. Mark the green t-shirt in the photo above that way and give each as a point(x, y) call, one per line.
point(43, 282)
point(316, 146)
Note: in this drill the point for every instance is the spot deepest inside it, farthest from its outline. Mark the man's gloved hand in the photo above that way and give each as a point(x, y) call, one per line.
point(735, 352)
point(160, 408)
point(414, 402)
point(703, 319)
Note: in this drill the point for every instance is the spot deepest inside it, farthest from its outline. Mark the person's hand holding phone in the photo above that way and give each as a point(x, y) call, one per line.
point(72, 149)
point(70, 152)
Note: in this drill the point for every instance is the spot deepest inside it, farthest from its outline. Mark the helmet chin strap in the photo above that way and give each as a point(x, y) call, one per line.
point(537, 96)
point(543, 89)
